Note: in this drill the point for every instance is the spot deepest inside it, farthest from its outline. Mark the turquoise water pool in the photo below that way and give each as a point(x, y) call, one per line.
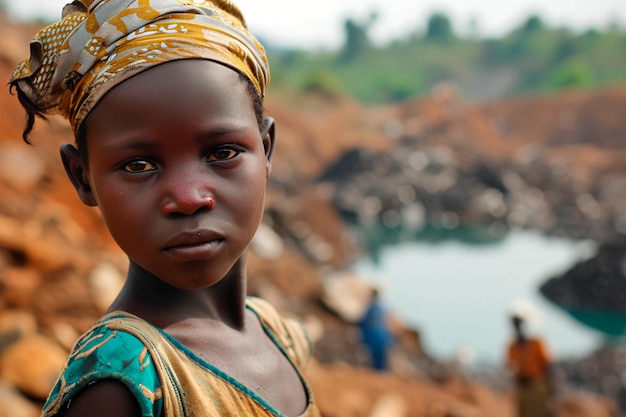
point(458, 292)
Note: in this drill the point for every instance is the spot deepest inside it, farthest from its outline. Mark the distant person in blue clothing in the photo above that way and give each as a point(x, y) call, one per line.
point(376, 334)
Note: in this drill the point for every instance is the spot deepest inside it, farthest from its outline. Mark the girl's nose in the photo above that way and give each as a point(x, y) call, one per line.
point(187, 195)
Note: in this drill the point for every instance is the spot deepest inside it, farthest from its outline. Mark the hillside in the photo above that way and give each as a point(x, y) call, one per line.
point(532, 58)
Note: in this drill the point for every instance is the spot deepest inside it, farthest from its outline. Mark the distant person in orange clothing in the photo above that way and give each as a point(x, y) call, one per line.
point(531, 364)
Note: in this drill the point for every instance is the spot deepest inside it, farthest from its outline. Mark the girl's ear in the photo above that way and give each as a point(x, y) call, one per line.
point(268, 135)
point(76, 171)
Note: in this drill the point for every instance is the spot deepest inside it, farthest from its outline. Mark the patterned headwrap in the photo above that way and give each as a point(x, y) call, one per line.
point(100, 43)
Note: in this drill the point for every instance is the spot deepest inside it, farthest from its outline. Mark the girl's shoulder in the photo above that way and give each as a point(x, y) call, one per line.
point(108, 353)
point(289, 333)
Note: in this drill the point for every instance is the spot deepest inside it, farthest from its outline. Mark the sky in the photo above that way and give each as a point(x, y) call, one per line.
point(319, 24)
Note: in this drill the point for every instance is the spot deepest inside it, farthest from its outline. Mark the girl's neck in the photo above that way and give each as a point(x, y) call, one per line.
point(161, 304)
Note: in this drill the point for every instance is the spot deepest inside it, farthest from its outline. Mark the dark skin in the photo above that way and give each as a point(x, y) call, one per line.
point(177, 166)
point(518, 326)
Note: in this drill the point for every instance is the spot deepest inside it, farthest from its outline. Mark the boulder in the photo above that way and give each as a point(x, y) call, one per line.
point(19, 284)
point(14, 404)
point(105, 282)
point(32, 365)
point(15, 325)
point(13, 159)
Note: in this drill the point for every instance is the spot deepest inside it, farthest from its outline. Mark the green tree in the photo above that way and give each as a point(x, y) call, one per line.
point(532, 25)
point(357, 38)
point(573, 73)
point(439, 29)
point(323, 82)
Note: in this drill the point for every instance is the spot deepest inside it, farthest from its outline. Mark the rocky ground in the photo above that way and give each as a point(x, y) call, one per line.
point(554, 164)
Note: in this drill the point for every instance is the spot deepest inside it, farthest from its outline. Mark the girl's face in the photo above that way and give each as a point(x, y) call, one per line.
point(178, 167)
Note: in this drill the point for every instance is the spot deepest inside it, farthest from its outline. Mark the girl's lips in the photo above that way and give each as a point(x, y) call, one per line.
point(192, 237)
point(194, 245)
point(195, 251)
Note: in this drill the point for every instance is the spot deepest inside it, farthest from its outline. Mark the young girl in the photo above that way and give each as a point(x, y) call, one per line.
point(165, 101)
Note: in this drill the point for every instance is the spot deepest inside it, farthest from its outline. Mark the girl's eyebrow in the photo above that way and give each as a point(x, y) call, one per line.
point(130, 145)
point(222, 131)
point(141, 143)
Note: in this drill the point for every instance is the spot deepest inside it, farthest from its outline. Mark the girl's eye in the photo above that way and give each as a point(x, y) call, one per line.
point(139, 165)
point(224, 153)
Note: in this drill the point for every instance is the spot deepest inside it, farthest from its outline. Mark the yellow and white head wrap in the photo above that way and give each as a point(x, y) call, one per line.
point(100, 43)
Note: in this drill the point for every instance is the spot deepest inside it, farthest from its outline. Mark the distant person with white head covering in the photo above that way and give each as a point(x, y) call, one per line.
point(530, 362)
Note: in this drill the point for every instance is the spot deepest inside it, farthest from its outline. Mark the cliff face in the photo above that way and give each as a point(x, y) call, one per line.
point(59, 268)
